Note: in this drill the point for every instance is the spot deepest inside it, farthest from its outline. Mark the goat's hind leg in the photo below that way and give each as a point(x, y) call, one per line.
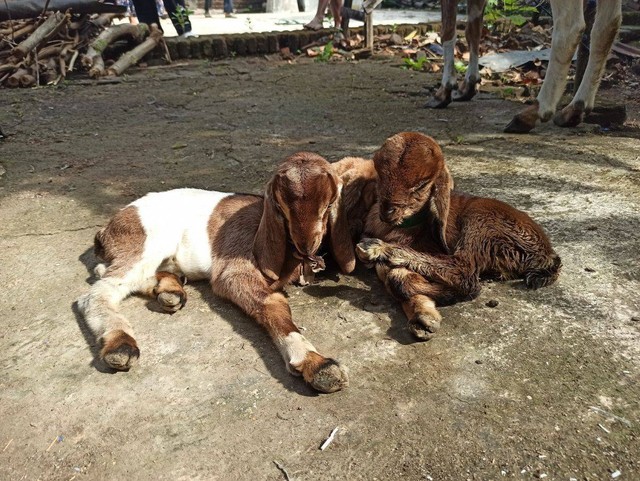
point(605, 29)
point(468, 89)
point(568, 25)
point(119, 349)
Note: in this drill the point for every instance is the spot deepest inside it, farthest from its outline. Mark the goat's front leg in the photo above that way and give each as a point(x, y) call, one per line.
point(245, 286)
point(468, 89)
point(442, 97)
point(605, 29)
point(456, 272)
point(417, 298)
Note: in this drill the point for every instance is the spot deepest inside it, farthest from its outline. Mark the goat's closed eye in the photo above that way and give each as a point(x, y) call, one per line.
point(421, 186)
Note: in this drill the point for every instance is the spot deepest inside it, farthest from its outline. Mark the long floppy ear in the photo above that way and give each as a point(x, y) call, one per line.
point(339, 234)
point(270, 242)
point(439, 206)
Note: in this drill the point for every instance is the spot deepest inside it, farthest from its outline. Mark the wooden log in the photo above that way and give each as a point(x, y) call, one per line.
point(93, 57)
point(50, 71)
point(14, 79)
point(21, 32)
point(48, 29)
point(135, 55)
point(27, 80)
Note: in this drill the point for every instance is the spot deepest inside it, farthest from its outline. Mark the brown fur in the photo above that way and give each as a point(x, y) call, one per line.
point(121, 242)
point(457, 238)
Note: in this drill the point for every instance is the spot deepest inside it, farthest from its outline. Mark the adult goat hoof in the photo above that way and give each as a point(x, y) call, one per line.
point(465, 93)
point(329, 377)
point(424, 326)
point(523, 122)
point(570, 116)
point(119, 350)
point(437, 103)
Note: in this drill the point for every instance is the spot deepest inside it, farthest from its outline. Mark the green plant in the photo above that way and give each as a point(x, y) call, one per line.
point(181, 15)
point(417, 64)
point(326, 53)
point(460, 67)
point(511, 10)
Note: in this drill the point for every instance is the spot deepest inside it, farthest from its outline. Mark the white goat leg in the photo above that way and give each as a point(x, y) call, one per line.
point(567, 30)
point(605, 28)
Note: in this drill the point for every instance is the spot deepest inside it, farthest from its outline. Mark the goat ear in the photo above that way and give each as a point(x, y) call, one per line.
point(439, 206)
point(270, 242)
point(339, 232)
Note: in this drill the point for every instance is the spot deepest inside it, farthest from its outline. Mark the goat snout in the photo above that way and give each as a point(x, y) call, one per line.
point(391, 215)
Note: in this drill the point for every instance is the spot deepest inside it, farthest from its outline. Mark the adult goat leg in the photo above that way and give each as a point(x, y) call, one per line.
point(442, 97)
point(468, 89)
point(605, 29)
point(567, 31)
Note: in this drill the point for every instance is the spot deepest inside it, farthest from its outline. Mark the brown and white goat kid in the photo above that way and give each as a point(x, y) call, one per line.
point(433, 244)
point(243, 244)
point(568, 26)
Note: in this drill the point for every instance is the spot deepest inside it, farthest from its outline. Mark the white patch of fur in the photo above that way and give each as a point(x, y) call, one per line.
point(449, 74)
point(176, 224)
point(294, 348)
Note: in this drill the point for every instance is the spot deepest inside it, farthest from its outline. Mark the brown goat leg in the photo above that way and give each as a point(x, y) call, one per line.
point(416, 295)
point(245, 286)
point(455, 272)
point(169, 291)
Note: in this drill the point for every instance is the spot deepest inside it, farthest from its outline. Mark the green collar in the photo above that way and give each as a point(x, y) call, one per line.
point(415, 220)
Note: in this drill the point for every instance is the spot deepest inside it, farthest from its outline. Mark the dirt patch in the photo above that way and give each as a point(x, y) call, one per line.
point(545, 383)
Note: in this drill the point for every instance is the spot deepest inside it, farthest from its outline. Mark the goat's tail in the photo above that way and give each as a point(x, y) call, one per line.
point(545, 274)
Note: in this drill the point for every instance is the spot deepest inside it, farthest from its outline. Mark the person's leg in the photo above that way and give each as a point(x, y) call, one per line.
point(336, 8)
point(227, 6)
point(316, 22)
point(207, 7)
point(178, 15)
point(146, 12)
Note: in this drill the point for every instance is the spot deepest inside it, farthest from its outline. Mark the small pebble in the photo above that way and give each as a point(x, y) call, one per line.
point(592, 227)
point(492, 303)
point(635, 318)
point(589, 269)
point(478, 361)
point(615, 474)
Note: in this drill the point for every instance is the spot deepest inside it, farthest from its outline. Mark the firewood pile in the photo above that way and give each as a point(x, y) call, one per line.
point(45, 50)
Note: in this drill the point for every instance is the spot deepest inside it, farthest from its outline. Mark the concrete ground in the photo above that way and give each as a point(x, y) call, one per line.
point(542, 386)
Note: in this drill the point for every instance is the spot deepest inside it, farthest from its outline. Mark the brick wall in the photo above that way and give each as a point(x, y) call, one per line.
point(238, 5)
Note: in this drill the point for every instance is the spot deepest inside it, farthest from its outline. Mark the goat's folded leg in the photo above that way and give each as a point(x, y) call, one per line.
point(245, 286)
point(416, 295)
point(169, 292)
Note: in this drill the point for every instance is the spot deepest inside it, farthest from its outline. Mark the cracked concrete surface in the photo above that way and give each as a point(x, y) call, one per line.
point(545, 383)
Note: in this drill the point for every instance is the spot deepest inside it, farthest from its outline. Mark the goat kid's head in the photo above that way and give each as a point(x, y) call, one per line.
point(301, 205)
point(413, 181)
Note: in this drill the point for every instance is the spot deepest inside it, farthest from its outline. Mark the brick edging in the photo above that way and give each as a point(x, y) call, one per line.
point(248, 44)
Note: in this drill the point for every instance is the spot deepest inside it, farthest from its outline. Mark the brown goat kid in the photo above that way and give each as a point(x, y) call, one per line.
point(432, 244)
point(245, 245)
